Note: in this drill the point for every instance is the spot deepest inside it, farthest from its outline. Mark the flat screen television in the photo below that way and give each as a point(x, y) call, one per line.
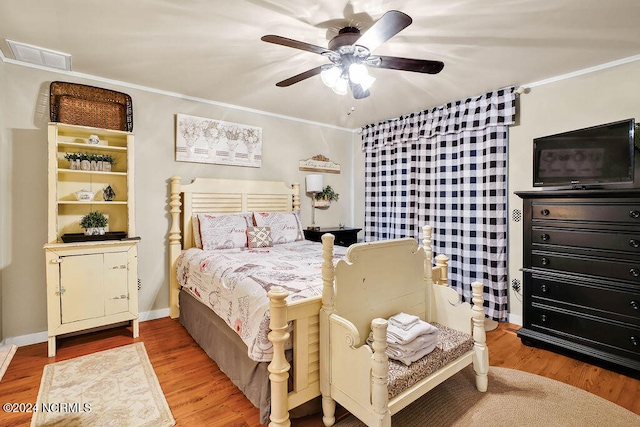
point(592, 157)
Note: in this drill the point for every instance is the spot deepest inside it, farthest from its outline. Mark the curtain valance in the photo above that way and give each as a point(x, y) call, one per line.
point(491, 109)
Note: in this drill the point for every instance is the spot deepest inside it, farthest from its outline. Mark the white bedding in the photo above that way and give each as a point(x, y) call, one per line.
point(235, 282)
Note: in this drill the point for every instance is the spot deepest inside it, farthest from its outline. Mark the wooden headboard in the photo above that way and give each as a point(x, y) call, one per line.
point(218, 196)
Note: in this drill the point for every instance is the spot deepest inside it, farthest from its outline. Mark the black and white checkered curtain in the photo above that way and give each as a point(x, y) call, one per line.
point(446, 167)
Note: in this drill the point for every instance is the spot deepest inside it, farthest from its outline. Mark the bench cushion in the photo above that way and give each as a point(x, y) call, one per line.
point(451, 345)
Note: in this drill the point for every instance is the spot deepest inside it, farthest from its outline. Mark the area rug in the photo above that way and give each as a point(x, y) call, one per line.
point(514, 398)
point(6, 354)
point(116, 387)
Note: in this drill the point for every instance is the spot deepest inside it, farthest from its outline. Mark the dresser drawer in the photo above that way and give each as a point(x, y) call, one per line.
point(587, 296)
point(606, 239)
point(588, 330)
point(585, 211)
point(607, 268)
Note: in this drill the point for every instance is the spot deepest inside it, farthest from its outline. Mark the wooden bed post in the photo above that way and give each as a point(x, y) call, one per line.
point(481, 357)
point(442, 263)
point(328, 307)
point(175, 246)
point(426, 244)
point(279, 367)
point(380, 372)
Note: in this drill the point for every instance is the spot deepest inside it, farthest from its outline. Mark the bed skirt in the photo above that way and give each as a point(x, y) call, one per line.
point(229, 352)
point(226, 348)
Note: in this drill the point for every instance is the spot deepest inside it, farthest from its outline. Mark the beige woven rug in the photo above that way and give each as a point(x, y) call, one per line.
point(6, 354)
point(514, 398)
point(116, 387)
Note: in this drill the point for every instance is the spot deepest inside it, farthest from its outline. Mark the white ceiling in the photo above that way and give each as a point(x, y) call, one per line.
point(211, 49)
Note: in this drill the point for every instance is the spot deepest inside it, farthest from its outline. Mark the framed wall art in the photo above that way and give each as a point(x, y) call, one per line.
point(203, 140)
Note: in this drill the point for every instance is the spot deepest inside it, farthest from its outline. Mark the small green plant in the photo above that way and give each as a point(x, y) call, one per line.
point(107, 158)
point(328, 194)
point(94, 219)
point(91, 157)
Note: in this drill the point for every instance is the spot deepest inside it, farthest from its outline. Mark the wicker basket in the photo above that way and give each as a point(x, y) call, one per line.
point(83, 105)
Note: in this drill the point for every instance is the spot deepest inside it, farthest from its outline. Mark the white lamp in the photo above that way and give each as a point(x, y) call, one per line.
point(314, 185)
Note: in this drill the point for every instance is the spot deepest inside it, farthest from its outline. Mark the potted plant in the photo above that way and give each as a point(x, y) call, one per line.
point(94, 223)
point(74, 160)
point(107, 162)
point(326, 196)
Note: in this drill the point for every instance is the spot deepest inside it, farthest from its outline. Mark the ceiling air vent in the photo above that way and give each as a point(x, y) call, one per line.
point(40, 56)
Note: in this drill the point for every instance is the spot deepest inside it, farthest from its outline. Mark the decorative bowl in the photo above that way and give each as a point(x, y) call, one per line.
point(84, 195)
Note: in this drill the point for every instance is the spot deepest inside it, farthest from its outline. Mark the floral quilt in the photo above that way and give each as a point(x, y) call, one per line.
point(235, 282)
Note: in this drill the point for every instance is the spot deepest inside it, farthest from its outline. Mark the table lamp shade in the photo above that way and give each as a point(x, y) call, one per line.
point(314, 183)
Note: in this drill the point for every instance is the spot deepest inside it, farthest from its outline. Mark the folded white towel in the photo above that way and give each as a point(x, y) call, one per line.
point(400, 336)
point(408, 360)
point(414, 346)
point(420, 347)
point(403, 320)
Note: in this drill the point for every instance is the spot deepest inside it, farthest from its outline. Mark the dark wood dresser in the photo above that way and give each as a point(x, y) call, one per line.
point(582, 273)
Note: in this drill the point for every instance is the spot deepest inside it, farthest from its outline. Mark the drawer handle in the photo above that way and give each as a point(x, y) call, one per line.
point(543, 318)
point(546, 237)
point(544, 288)
point(634, 243)
point(634, 272)
point(545, 261)
point(545, 212)
point(635, 305)
point(634, 340)
point(634, 214)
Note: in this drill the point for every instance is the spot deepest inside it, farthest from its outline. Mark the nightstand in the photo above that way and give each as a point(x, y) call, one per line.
point(344, 236)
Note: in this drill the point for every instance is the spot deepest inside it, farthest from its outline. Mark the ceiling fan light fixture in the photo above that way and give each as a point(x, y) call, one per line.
point(341, 86)
point(330, 75)
point(359, 74)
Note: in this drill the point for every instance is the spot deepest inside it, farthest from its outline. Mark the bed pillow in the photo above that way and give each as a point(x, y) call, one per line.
point(285, 226)
point(222, 231)
point(195, 224)
point(259, 237)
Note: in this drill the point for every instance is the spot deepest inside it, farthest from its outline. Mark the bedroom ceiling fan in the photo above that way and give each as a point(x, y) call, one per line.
point(350, 55)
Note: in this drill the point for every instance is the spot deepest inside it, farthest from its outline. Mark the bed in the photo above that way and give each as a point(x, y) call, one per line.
point(288, 378)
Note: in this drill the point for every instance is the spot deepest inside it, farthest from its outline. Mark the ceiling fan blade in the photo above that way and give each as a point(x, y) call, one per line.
point(383, 29)
point(357, 91)
point(294, 44)
point(297, 78)
point(408, 64)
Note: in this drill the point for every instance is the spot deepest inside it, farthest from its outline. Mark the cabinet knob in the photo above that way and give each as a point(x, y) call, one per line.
point(634, 272)
point(635, 305)
point(634, 340)
point(544, 288)
point(545, 237)
point(543, 317)
point(545, 261)
point(634, 214)
point(545, 212)
point(634, 243)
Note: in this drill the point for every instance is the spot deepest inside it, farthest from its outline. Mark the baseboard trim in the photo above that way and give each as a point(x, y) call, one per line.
point(515, 319)
point(39, 337)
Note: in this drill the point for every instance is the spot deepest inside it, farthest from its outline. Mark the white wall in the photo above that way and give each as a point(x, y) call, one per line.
point(590, 99)
point(24, 108)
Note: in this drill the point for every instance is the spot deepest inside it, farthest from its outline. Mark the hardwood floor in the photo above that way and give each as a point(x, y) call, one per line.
point(199, 394)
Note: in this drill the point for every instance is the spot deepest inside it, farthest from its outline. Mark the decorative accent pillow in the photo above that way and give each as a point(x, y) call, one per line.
point(259, 237)
point(285, 226)
point(220, 231)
